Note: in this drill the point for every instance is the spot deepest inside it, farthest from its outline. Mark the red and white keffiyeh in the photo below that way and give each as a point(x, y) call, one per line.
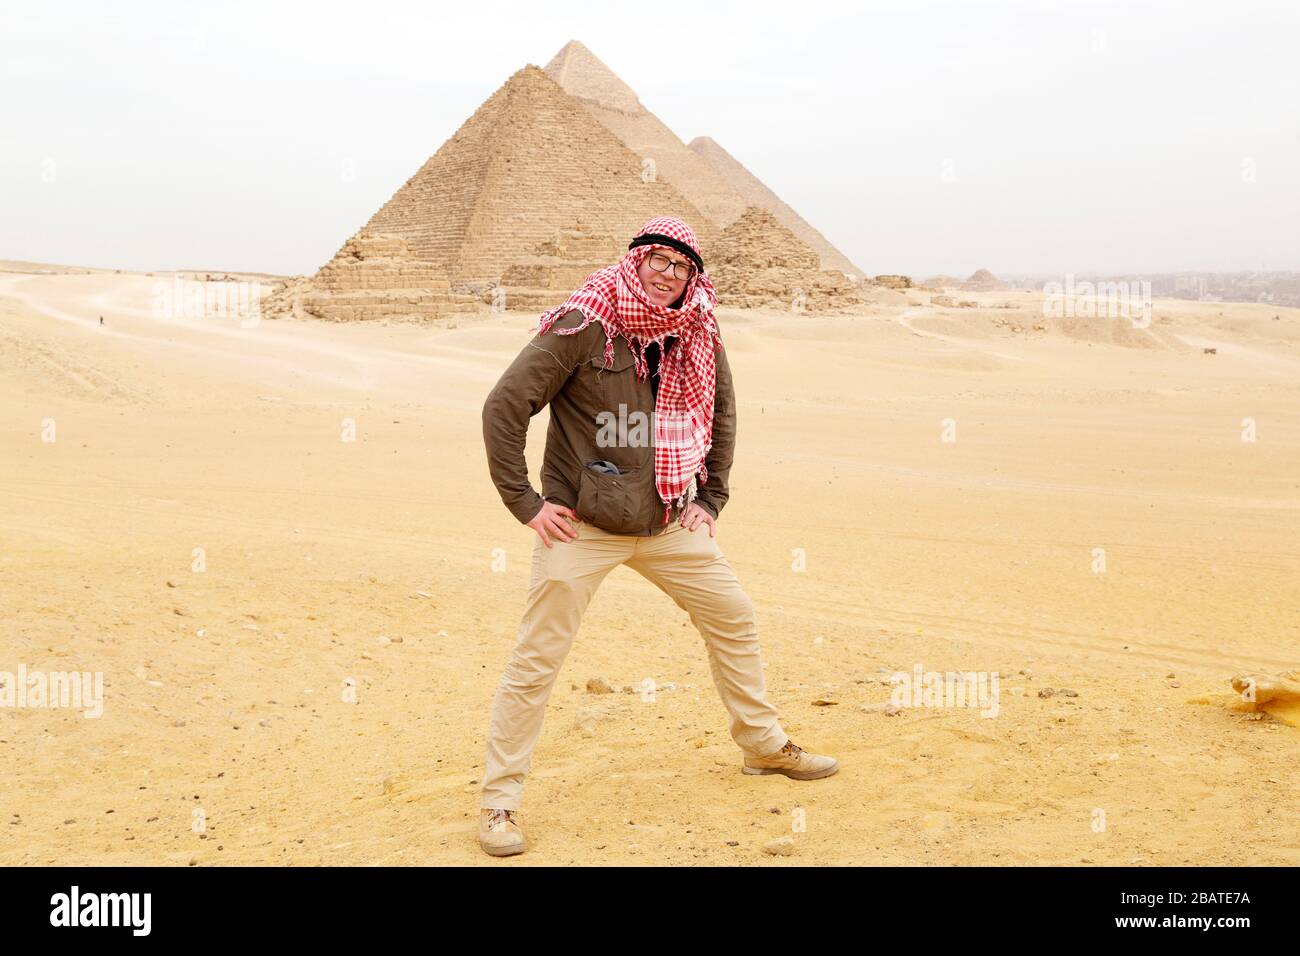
point(614, 297)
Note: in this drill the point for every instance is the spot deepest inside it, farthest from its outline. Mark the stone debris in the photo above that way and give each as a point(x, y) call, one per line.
point(894, 282)
point(781, 846)
point(598, 685)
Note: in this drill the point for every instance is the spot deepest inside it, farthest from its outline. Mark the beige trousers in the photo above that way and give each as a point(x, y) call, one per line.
point(691, 569)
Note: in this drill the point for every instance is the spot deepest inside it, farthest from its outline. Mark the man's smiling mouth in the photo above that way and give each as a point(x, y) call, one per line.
point(662, 288)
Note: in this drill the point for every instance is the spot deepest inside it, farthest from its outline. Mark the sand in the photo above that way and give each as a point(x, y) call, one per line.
point(386, 569)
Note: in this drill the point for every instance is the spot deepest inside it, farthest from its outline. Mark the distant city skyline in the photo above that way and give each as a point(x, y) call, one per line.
point(1026, 138)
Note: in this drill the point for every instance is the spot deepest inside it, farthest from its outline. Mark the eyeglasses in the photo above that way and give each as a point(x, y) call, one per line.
point(681, 270)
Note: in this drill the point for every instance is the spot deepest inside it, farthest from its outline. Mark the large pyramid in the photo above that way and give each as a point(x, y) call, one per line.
point(529, 162)
point(756, 194)
point(704, 173)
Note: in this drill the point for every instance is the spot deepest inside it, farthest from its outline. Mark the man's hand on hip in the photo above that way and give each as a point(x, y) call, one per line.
point(694, 514)
point(553, 522)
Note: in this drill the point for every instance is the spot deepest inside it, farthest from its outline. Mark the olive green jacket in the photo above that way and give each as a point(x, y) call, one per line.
point(568, 373)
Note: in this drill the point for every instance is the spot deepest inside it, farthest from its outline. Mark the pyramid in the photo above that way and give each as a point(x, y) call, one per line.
point(756, 194)
point(703, 172)
point(983, 281)
point(759, 263)
point(530, 161)
point(371, 277)
point(616, 106)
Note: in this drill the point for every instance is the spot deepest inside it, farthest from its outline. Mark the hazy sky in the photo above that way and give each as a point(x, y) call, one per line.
point(918, 137)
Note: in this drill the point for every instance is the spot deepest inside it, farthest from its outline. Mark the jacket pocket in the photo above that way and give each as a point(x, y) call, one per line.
point(609, 501)
point(624, 415)
point(617, 383)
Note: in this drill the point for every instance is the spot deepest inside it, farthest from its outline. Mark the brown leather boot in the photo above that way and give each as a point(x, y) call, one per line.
point(793, 761)
point(499, 833)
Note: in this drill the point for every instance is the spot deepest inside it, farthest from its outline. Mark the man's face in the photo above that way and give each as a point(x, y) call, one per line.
point(663, 288)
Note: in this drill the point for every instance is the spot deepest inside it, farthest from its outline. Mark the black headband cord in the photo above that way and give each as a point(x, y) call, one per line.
point(655, 239)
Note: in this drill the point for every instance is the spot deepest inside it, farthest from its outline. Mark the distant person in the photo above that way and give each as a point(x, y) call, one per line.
point(596, 359)
point(101, 320)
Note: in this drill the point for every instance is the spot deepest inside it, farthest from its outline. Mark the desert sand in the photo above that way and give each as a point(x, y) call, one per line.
point(388, 569)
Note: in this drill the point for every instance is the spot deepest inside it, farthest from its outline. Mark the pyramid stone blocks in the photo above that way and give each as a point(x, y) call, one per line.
point(762, 264)
point(372, 277)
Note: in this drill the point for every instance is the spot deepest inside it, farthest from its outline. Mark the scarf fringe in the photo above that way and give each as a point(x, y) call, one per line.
point(686, 497)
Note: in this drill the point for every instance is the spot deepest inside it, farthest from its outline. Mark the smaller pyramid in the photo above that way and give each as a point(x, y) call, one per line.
point(983, 281)
point(373, 277)
point(759, 263)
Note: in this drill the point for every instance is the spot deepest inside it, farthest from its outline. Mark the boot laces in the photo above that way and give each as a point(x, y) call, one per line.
point(497, 817)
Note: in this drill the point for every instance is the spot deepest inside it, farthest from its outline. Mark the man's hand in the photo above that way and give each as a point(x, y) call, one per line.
point(552, 521)
point(693, 515)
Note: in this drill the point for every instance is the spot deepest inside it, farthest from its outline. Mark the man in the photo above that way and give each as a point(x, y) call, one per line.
point(625, 440)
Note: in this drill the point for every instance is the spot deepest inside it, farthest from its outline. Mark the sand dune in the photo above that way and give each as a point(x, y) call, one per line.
point(224, 689)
